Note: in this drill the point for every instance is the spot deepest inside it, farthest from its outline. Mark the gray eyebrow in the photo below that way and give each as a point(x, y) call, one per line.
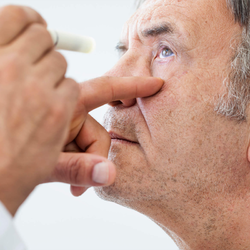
point(121, 47)
point(165, 28)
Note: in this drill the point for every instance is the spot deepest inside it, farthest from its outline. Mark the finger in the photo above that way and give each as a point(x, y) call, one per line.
point(14, 19)
point(78, 191)
point(72, 147)
point(34, 42)
point(65, 103)
point(68, 90)
point(92, 138)
point(75, 190)
point(51, 69)
point(83, 170)
point(97, 92)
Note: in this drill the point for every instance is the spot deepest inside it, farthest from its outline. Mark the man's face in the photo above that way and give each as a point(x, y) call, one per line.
point(178, 152)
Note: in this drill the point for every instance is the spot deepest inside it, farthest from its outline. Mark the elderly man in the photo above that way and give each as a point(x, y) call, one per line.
point(183, 155)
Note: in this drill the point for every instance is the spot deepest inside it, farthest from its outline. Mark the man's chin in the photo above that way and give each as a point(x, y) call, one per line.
point(108, 194)
point(111, 194)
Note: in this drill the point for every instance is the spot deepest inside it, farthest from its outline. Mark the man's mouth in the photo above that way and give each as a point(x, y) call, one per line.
point(120, 139)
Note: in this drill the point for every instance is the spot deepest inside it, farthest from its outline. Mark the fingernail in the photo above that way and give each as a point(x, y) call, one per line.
point(159, 78)
point(101, 173)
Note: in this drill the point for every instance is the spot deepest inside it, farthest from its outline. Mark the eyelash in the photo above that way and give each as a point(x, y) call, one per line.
point(157, 56)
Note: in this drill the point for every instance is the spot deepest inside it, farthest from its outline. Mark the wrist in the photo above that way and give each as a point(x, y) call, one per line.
point(13, 191)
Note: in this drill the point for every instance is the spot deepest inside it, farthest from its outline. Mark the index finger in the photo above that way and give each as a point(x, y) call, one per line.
point(14, 19)
point(99, 91)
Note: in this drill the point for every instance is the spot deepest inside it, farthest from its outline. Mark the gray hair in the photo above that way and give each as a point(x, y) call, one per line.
point(235, 101)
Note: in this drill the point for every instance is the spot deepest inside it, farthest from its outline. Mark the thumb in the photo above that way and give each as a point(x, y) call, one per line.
point(83, 170)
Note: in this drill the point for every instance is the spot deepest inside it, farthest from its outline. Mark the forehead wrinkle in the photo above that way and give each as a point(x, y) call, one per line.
point(160, 14)
point(158, 11)
point(182, 9)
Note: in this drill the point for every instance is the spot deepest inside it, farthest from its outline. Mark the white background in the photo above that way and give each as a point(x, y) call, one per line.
point(51, 218)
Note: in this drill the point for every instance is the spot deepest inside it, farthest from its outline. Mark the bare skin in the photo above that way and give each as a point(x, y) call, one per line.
point(89, 136)
point(42, 111)
point(188, 168)
point(37, 103)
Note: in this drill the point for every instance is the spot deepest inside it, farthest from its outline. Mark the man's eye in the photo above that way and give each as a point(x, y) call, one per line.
point(165, 52)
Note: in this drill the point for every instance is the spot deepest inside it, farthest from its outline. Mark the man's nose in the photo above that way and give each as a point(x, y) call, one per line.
point(130, 64)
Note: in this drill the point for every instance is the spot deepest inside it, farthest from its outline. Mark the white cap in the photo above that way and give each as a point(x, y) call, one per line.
point(67, 41)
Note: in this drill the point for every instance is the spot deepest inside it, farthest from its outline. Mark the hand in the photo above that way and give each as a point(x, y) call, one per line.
point(79, 169)
point(36, 103)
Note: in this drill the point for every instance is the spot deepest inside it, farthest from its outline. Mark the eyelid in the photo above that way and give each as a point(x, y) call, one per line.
point(160, 47)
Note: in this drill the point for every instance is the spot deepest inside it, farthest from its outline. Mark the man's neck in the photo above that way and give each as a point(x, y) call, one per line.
point(222, 225)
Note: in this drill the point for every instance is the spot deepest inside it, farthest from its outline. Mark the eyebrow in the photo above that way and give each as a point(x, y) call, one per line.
point(165, 28)
point(161, 29)
point(121, 47)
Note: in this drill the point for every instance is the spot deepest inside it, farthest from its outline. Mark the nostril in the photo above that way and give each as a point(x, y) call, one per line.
point(125, 103)
point(115, 103)
point(128, 102)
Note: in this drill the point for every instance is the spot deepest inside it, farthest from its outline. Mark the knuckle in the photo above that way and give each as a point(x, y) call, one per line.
point(74, 172)
point(14, 12)
point(47, 37)
point(72, 147)
point(58, 111)
point(73, 88)
point(38, 31)
point(108, 80)
point(71, 170)
point(59, 60)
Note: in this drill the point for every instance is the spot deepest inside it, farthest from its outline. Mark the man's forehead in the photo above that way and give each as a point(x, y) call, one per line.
point(188, 17)
point(155, 13)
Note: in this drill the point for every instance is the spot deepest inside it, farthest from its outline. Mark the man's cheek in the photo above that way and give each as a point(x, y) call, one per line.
point(165, 103)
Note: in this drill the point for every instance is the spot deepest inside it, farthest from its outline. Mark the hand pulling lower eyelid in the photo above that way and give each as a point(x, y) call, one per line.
point(66, 41)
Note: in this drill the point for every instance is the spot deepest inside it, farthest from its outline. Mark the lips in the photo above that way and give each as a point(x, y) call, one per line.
point(119, 138)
